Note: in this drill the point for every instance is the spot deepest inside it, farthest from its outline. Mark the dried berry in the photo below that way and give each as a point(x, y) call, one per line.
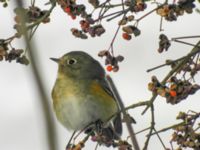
point(120, 58)
point(23, 60)
point(78, 34)
point(164, 43)
point(128, 29)
point(103, 53)
point(126, 36)
point(14, 54)
point(131, 30)
point(130, 18)
point(99, 30)
point(123, 21)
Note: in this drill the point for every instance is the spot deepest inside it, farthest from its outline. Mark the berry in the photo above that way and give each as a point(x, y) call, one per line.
point(109, 68)
point(67, 9)
point(126, 36)
point(173, 93)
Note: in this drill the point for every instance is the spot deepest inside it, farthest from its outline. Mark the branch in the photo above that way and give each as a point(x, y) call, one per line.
point(50, 128)
point(142, 103)
point(151, 128)
point(193, 52)
point(168, 128)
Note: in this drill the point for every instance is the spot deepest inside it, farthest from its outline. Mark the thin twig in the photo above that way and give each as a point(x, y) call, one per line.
point(117, 15)
point(142, 103)
point(138, 132)
point(143, 130)
point(168, 128)
point(186, 37)
point(32, 2)
point(151, 128)
point(161, 141)
point(161, 24)
point(122, 1)
point(96, 146)
point(33, 32)
point(150, 12)
point(166, 64)
point(186, 43)
point(115, 35)
point(111, 14)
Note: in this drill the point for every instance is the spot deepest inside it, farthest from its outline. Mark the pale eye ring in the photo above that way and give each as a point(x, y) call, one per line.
point(71, 61)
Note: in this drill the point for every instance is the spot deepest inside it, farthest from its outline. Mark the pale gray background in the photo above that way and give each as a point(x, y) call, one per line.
point(22, 124)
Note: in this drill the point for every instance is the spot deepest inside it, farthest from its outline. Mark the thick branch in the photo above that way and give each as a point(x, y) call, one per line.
point(50, 128)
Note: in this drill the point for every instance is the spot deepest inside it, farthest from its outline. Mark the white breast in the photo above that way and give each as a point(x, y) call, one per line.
point(75, 114)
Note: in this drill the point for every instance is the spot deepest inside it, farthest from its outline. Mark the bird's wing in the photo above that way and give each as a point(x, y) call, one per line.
point(117, 122)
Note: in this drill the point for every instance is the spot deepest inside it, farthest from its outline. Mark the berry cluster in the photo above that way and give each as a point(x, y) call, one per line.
point(111, 61)
point(187, 135)
point(164, 43)
point(30, 15)
point(12, 54)
point(174, 91)
point(5, 3)
point(128, 30)
point(121, 145)
point(136, 6)
point(72, 9)
point(171, 11)
point(87, 23)
point(102, 140)
point(96, 30)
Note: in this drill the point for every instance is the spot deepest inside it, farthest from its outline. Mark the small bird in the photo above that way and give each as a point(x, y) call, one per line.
point(81, 95)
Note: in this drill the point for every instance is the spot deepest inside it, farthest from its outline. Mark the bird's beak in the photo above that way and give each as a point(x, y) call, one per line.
point(55, 59)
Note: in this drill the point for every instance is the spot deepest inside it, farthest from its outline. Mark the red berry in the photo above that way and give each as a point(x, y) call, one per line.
point(67, 9)
point(109, 68)
point(126, 36)
point(172, 93)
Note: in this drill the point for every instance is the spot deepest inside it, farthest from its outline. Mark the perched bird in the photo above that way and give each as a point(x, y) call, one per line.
point(81, 95)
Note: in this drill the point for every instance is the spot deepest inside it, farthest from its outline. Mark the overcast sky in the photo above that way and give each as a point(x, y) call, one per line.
point(22, 123)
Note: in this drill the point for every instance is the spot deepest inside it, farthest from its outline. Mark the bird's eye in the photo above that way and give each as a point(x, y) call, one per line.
point(71, 61)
